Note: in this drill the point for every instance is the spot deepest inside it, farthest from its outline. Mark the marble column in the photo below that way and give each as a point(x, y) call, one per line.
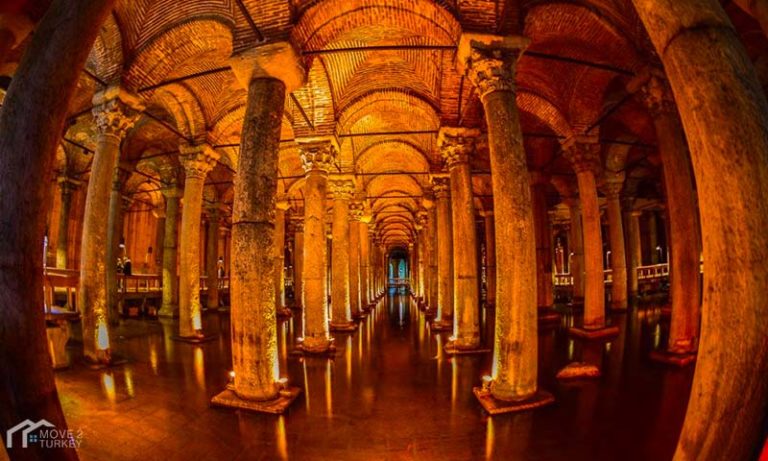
point(653, 237)
point(635, 250)
point(619, 293)
point(297, 223)
point(456, 146)
point(170, 304)
point(341, 304)
point(544, 280)
point(318, 157)
point(281, 206)
point(269, 72)
point(684, 230)
point(583, 153)
point(67, 186)
point(441, 187)
point(197, 161)
point(724, 111)
point(490, 62)
point(355, 293)
point(421, 229)
point(366, 233)
point(115, 112)
point(114, 234)
point(490, 257)
point(432, 251)
point(212, 257)
point(576, 249)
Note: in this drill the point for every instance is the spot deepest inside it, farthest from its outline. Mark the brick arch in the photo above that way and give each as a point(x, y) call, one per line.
point(106, 57)
point(316, 98)
point(198, 39)
point(182, 103)
point(544, 110)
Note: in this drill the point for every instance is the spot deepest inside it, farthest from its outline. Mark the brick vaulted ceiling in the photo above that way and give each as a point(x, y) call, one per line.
point(374, 66)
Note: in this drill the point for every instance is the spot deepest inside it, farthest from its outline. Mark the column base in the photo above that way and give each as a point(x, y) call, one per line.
point(441, 325)
point(328, 349)
point(671, 358)
point(229, 399)
point(594, 333)
point(112, 361)
point(620, 306)
point(169, 313)
point(343, 326)
point(196, 339)
point(578, 370)
point(494, 406)
point(547, 314)
point(452, 349)
point(360, 315)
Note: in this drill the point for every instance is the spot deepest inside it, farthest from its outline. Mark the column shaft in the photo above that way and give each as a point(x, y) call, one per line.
point(298, 265)
point(354, 267)
point(279, 248)
point(340, 260)
point(576, 247)
point(544, 281)
point(490, 258)
point(635, 250)
point(211, 258)
point(432, 230)
point(618, 257)
point(594, 284)
point(170, 304)
point(444, 251)
point(62, 239)
point(365, 270)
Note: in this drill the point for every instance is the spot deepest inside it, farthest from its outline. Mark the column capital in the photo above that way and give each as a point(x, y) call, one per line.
point(342, 187)
point(197, 160)
point(215, 211)
point(318, 154)
point(277, 60)
point(356, 211)
point(651, 85)
point(126, 203)
point(296, 224)
point(486, 213)
point(489, 60)
point(67, 184)
point(282, 203)
point(115, 110)
point(636, 213)
point(171, 192)
point(612, 189)
point(441, 186)
point(457, 144)
point(583, 152)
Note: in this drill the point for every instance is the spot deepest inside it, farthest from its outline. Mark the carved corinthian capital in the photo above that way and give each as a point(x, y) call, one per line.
point(489, 60)
point(654, 91)
point(584, 154)
point(115, 111)
point(198, 160)
point(342, 188)
point(318, 155)
point(456, 145)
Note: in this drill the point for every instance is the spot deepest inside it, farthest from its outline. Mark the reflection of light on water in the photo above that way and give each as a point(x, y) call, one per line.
point(102, 336)
point(349, 360)
point(328, 389)
point(282, 442)
point(199, 367)
point(656, 336)
point(153, 357)
point(608, 347)
point(570, 349)
point(129, 381)
point(306, 385)
point(454, 382)
point(108, 386)
point(489, 439)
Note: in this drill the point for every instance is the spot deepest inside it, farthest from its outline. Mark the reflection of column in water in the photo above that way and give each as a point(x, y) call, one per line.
point(282, 441)
point(199, 365)
point(306, 384)
point(129, 381)
point(168, 332)
point(328, 389)
point(439, 346)
point(489, 438)
point(348, 359)
point(514, 436)
point(282, 351)
point(108, 386)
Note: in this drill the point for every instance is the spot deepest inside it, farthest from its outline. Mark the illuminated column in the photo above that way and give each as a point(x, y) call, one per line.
point(612, 189)
point(197, 162)
point(456, 146)
point(269, 72)
point(490, 257)
point(490, 63)
point(684, 231)
point(67, 186)
point(341, 303)
point(432, 252)
point(653, 237)
point(355, 301)
point(114, 233)
point(318, 157)
point(635, 250)
point(170, 305)
point(584, 154)
point(544, 281)
point(421, 228)
point(212, 257)
point(115, 111)
point(442, 188)
point(298, 261)
point(365, 247)
point(281, 206)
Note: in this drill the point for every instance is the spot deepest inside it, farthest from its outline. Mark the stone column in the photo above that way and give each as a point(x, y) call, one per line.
point(197, 162)
point(317, 157)
point(421, 228)
point(281, 206)
point(67, 186)
point(365, 262)
point(490, 62)
point(576, 248)
point(653, 237)
point(684, 230)
point(635, 250)
point(442, 188)
point(432, 252)
point(725, 115)
point(117, 206)
point(355, 299)
point(584, 154)
point(544, 281)
point(269, 72)
point(341, 304)
point(115, 112)
point(170, 304)
point(490, 257)
point(456, 146)
point(298, 261)
point(212, 257)
point(612, 190)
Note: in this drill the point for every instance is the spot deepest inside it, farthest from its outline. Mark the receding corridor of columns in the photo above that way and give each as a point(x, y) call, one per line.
point(383, 229)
